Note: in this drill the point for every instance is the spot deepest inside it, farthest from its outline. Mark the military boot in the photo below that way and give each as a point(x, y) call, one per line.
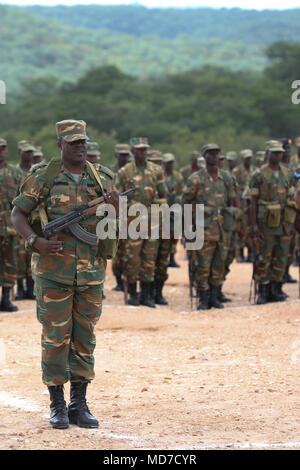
point(59, 413)
point(133, 296)
point(146, 298)
point(213, 298)
point(119, 286)
point(159, 299)
point(221, 296)
point(6, 305)
point(29, 291)
point(78, 411)
point(263, 294)
point(276, 294)
point(203, 300)
point(172, 262)
point(20, 290)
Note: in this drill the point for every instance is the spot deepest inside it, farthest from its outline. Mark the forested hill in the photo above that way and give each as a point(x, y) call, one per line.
point(65, 42)
point(249, 26)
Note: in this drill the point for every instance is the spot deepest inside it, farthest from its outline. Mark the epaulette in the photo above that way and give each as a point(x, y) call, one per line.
point(106, 171)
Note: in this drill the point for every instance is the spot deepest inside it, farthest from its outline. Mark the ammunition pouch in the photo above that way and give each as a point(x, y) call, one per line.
point(230, 217)
point(290, 212)
point(108, 248)
point(272, 215)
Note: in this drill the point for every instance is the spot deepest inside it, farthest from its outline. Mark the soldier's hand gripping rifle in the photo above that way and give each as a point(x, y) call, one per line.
point(71, 220)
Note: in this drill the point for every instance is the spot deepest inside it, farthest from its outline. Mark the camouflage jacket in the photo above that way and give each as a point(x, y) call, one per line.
point(149, 178)
point(78, 263)
point(271, 187)
point(215, 194)
point(242, 175)
point(9, 182)
point(186, 171)
point(174, 184)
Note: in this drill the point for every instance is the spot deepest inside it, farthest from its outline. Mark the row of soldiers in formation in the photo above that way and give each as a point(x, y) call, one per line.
point(245, 203)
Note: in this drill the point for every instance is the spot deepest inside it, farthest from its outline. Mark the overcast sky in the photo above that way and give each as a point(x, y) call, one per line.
point(249, 4)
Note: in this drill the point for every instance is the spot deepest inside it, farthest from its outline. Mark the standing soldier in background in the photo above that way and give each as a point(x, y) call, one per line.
point(209, 187)
point(26, 151)
point(174, 184)
point(93, 153)
point(242, 174)
point(38, 156)
point(123, 156)
point(272, 215)
point(8, 262)
point(295, 158)
point(141, 253)
point(231, 159)
point(260, 158)
point(192, 167)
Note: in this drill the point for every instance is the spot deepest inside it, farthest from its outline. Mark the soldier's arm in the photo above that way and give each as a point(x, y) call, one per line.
point(254, 191)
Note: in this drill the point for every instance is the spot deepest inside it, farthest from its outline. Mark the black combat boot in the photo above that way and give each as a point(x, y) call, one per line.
point(213, 298)
point(30, 286)
point(133, 296)
point(119, 286)
point(59, 413)
point(276, 294)
point(263, 294)
point(145, 297)
point(6, 305)
point(172, 262)
point(78, 410)
point(203, 300)
point(241, 258)
point(20, 290)
point(221, 297)
point(159, 299)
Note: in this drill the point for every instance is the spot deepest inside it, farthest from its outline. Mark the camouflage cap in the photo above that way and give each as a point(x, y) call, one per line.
point(3, 143)
point(246, 153)
point(154, 155)
point(93, 148)
point(38, 152)
point(208, 147)
point(260, 154)
point(122, 149)
point(168, 157)
point(297, 141)
point(71, 130)
point(232, 155)
point(139, 142)
point(27, 147)
point(275, 146)
point(195, 154)
point(23, 143)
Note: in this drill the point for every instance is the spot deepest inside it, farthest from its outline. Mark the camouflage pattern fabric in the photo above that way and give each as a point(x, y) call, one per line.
point(23, 256)
point(8, 191)
point(215, 194)
point(141, 253)
point(272, 187)
point(68, 314)
point(78, 262)
point(163, 250)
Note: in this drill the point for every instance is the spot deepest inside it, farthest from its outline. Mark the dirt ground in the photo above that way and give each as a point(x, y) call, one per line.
point(167, 378)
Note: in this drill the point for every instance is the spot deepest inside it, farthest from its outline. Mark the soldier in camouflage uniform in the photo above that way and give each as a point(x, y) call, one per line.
point(231, 159)
point(26, 151)
point(209, 187)
point(141, 253)
point(93, 153)
point(242, 174)
point(174, 183)
point(272, 214)
point(192, 167)
point(260, 158)
point(8, 262)
point(123, 156)
point(69, 274)
point(38, 156)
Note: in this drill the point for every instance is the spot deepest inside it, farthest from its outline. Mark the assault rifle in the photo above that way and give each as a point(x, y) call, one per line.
point(71, 220)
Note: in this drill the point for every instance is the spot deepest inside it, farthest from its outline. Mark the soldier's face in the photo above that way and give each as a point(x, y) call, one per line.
point(231, 164)
point(169, 167)
point(27, 157)
point(247, 162)
point(221, 162)
point(37, 159)
point(123, 158)
point(212, 157)
point(3, 153)
point(140, 154)
point(92, 158)
point(275, 157)
point(74, 152)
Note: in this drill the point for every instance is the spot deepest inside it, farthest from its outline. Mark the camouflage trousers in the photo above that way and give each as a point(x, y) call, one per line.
point(23, 259)
point(230, 243)
point(273, 256)
point(68, 315)
point(163, 250)
point(141, 256)
point(209, 263)
point(8, 261)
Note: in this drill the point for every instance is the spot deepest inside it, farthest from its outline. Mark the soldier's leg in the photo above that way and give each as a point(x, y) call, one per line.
point(161, 267)
point(148, 258)
point(21, 266)
point(29, 280)
point(278, 267)
point(8, 271)
point(217, 275)
point(290, 259)
point(263, 270)
point(116, 269)
point(54, 312)
point(133, 253)
point(172, 262)
point(202, 272)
